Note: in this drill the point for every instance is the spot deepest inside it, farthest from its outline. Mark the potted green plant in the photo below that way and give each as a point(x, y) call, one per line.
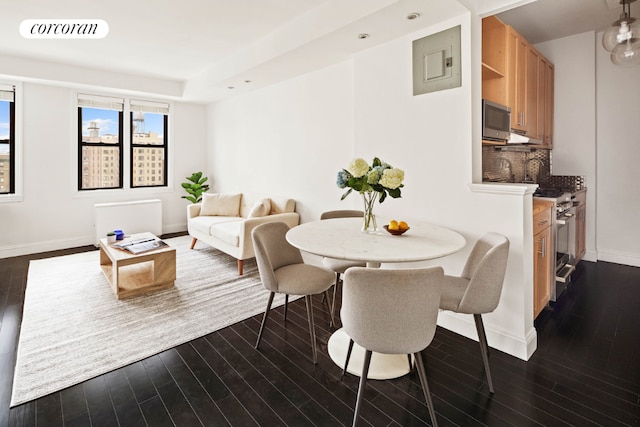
point(195, 187)
point(111, 237)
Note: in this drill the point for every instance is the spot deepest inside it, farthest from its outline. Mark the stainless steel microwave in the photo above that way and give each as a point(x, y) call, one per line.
point(496, 121)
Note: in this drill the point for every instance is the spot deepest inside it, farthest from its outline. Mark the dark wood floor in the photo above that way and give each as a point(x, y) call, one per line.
point(585, 372)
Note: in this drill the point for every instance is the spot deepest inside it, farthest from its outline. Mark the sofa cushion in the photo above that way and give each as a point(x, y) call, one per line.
point(228, 232)
point(220, 204)
point(282, 205)
point(260, 208)
point(203, 224)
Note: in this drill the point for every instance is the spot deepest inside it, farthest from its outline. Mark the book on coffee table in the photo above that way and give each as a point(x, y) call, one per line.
point(141, 245)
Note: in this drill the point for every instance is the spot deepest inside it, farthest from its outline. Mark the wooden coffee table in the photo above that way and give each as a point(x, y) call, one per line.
point(130, 274)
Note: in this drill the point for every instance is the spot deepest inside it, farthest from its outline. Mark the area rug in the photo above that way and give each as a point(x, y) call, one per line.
point(74, 328)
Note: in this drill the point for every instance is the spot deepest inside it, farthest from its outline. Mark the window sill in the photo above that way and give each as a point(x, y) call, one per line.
point(10, 198)
point(100, 193)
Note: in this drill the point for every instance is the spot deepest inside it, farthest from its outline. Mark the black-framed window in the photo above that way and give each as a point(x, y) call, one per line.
point(100, 152)
point(7, 140)
point(149, 141)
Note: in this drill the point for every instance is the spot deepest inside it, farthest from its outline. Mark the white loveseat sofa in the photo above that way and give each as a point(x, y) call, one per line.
point(225, 221)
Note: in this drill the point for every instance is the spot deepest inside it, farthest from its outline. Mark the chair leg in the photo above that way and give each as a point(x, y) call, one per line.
point(193, 242)
point(286, 305)
point(425, 386)
point(335, 289)
point(346, 362)
point(264, 319)
point(312, 329)
point(363, 382)
point(410, 364)
point(484, 349)
point(331, 321)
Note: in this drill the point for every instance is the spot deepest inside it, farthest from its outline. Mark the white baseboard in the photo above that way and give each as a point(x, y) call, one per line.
point(174, 228)
point(521, 347)
point(619, 258)
point(590, 255)
point(44, 246)
point(74, 242)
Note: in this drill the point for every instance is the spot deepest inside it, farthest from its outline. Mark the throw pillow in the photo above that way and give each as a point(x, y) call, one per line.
point(220, 204)
point(260, 208)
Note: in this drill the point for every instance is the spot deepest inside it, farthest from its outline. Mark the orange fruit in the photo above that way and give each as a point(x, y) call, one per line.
point(403, 225)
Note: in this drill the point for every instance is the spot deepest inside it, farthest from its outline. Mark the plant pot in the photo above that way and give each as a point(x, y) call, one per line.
point(111, 238)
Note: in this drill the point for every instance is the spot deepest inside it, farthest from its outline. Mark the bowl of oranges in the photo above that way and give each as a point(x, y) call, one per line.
point(396, 228)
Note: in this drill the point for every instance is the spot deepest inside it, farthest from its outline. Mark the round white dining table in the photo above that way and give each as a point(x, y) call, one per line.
point(342, 238)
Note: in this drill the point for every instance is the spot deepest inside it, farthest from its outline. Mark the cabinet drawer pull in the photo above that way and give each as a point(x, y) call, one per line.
point(543, 247)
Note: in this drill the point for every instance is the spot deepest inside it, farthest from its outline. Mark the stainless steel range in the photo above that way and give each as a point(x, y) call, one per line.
point(565, 227)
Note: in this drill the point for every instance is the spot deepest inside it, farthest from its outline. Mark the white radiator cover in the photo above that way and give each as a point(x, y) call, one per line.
point(131, 217)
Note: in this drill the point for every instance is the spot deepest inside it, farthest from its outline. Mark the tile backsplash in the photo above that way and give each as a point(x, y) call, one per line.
point(567, 182)
point(508, 165)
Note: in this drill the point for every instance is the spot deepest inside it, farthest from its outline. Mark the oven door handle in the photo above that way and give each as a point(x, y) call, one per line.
point(562, 220)
point(564, 275)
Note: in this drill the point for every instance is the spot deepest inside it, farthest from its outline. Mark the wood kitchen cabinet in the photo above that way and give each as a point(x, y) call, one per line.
point(516, 78)
point(545, 102)
point(543, 254)
point(494, 60)
point(532, 97)
point(515, 74)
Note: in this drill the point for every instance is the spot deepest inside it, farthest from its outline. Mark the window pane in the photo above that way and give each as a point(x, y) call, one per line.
point(148, 128)
point(149, 173)
point(100, 125)
point(149, 145)
point(100, 167)
point(100, 148)
point(5, 147)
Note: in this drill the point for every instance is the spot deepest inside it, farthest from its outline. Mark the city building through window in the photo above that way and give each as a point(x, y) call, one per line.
point(100, 142)
point(102, 150)
point(149, 126)
point(7, 139)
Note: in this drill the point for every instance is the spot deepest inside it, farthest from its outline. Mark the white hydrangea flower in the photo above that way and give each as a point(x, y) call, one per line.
point(392, 178)
point(358, 168)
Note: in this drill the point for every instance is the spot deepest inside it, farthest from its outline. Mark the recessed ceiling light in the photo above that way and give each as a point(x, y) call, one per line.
point(363, 35)
point(413, 15)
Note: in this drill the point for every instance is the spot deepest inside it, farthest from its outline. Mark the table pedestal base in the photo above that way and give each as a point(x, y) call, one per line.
point(383, 366)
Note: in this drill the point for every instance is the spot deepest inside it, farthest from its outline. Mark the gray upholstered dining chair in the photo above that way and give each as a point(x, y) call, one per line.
point(339, 266)
point(477, 290)
point(282, 270)
point(391, 311)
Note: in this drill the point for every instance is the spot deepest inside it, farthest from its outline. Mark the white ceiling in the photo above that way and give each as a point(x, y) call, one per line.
point(208, 46)
point(164, 38)
point(545, 20)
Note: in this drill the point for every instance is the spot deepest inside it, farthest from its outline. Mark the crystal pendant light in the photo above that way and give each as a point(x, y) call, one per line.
point(622, 39)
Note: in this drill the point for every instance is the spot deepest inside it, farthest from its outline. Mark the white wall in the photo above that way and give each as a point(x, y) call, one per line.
point(596, 135)
point(574, 133)
point(52, 214)
point(618, 153)
point(292, 138)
